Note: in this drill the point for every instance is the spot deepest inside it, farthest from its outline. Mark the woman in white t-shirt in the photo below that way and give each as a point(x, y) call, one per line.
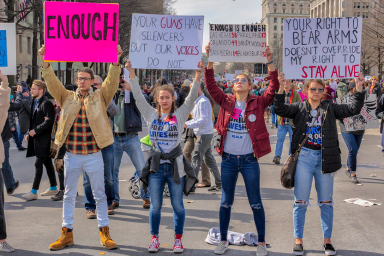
point(166, 162)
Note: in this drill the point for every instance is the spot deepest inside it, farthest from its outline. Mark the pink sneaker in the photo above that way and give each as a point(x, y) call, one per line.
point(178, 245)
point(155, 245)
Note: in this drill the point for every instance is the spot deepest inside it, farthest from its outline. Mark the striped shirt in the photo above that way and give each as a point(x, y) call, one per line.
point(80, 138)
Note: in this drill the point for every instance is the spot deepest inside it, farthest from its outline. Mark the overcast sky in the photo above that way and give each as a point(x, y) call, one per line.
point(221, 12)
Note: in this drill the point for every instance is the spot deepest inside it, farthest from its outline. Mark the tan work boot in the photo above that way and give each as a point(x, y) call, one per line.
point(106, 240)
point(146, 203)
point(66, 239)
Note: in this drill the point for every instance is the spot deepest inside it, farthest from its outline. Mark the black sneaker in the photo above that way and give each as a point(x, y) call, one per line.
point(22, 149)
point(276, 160)
point(329, 250)
point(10, 191)
point(215, 188)
point(59, 196)
point(353, 179)
point(298, 249)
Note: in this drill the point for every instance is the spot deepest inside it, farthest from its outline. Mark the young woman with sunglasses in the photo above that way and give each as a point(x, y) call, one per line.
point(166, 161)
point(320, 156)
point(244, 139)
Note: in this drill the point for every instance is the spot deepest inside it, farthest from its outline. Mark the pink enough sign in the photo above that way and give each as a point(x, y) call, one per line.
point(81, 32)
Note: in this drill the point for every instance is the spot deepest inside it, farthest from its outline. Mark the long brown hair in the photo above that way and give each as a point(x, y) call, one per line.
point(171, 90)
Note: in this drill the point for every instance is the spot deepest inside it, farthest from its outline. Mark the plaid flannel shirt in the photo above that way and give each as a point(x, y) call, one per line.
point(80, 138)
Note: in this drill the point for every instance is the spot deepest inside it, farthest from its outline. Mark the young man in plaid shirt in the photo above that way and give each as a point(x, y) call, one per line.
point(84, 128)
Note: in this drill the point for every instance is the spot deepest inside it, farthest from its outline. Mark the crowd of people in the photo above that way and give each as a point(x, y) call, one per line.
point(88, 127)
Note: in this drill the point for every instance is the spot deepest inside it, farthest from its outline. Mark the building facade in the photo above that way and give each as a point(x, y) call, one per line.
point(273, 14)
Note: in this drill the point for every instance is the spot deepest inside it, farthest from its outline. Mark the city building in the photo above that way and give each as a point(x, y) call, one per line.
point(273, 14)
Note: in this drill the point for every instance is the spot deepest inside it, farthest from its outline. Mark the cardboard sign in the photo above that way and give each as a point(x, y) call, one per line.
point(8, 48)
point(322, 48)
point(166, 41)
point(366, 119)
point(237, 43)
point(229, 77)
point(81, 32)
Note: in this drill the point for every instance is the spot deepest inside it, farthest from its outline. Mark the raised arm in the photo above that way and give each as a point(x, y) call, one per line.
point(269, 94)
point(354, 108)
point(142, 104)
point(216, 93)
point(111, 83)
point(54, 86)
point(189, 102)
point(279, 106)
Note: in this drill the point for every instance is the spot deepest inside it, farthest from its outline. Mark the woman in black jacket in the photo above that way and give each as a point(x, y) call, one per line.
point(320, 156)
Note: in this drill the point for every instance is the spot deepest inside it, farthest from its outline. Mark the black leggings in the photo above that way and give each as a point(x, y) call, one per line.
point(3, 231)
point(47, 162)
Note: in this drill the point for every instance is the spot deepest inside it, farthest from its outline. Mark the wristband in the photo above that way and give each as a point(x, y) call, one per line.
point(269, 62)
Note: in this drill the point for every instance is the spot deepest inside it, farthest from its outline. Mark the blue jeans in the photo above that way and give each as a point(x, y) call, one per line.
point(6, 169)
point(21, 137)
point(16, 138)
point(309, 167)
point(156, 183)
point(353, 143)
point(129, 144)
point(281, 133)
point(89, 201)
point(248, 166)
point(273, 115)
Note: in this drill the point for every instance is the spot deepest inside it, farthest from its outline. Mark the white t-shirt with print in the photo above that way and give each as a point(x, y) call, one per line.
point(237, 141)
point(164, 135)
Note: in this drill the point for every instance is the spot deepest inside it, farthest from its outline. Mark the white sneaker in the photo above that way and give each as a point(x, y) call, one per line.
point(29, 196)
point(6, 247)
point(49, 192)
point(261, 250)
point(221, 248)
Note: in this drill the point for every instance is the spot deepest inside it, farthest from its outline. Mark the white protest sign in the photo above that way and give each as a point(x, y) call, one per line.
point(237, 43)
point(322, 48)
point(8, 48)
point(218, 78)
point(366, 119)
point(256, 80)
point(166, 41)
point(238, 72)
point(229, 77)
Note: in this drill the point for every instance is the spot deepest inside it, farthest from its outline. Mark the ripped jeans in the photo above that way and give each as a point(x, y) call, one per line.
point(248, 166)
point(309, 167)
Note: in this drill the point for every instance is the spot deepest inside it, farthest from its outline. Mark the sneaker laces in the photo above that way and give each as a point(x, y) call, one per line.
point(177, 243)
point(155, 243)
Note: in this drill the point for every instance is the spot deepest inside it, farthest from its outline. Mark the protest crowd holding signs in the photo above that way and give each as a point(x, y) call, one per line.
point(314, 50)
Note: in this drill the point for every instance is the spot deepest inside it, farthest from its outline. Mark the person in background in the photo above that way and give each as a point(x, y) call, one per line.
point(320, 157)
point(274, 118)
point(353, 141)
point(166, 161)
point(329, 94)
point(85, 129)
point(183, 93)
point(202, 125)
point(374, 88)
point(229, 89)
point(126, 127)
point(39, 140)
point(285, 124)
point(12, 122)
point(5, 93)
point(108, 155)
point(24, 113)
point(342, 88)
point(380, 115)
point(244, 140)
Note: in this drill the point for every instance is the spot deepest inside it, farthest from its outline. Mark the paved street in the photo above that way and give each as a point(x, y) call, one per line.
point(32, 226)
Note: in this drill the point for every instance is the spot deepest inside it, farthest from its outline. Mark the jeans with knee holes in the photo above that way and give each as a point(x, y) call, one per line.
point(309, 167)
point(248, 166)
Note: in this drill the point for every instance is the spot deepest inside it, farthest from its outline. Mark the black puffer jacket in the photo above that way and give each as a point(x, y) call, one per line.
point(299, 112)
